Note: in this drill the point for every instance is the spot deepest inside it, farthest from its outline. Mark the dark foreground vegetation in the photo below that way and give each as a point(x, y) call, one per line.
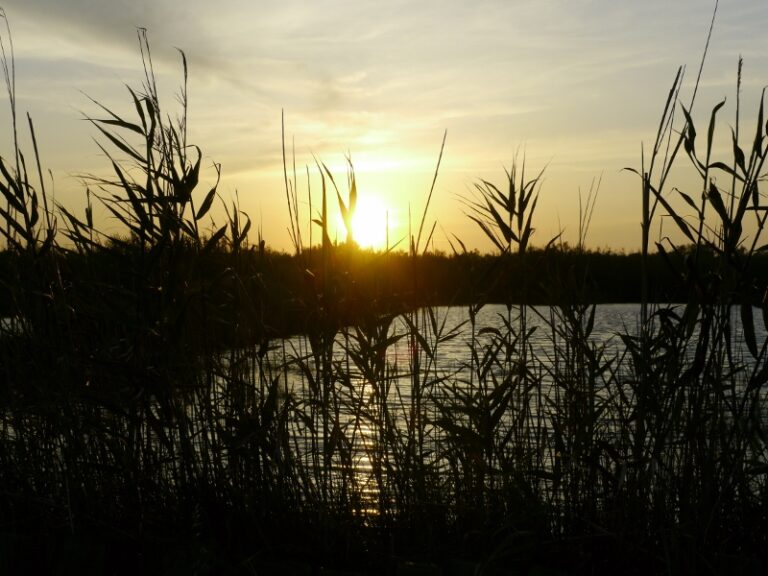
point(396, 281)
point(152, 421)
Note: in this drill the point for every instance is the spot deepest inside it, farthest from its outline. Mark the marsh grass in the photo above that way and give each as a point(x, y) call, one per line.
point(153, 421)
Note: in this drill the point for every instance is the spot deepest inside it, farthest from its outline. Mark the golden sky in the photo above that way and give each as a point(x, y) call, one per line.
point(576, 86)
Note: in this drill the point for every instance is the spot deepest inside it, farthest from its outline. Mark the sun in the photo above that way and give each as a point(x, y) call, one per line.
point(370, 222)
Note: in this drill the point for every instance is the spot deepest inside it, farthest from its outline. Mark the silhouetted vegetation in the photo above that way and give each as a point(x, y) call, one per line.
point(154, 420)
point(380, 283)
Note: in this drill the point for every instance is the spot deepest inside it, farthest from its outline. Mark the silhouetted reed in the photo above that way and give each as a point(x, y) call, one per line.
point(156, 413)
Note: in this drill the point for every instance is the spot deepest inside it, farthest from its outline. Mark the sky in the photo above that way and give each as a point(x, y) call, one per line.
point(574, 87)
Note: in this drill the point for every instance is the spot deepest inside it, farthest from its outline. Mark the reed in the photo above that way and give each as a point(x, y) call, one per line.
point(155, 411)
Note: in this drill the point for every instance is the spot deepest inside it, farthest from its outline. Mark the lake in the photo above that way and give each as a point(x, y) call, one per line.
point(448, 389)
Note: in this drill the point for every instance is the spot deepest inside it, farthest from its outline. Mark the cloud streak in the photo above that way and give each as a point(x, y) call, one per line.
point(388, 77)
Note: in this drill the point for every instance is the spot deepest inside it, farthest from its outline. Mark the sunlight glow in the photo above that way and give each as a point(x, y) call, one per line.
point(370, 222)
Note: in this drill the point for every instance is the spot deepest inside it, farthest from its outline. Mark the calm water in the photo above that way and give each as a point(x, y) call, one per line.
point(448, 332)
point(449, 374)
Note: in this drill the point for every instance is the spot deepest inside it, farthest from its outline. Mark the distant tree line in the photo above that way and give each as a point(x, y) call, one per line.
point(357, 282)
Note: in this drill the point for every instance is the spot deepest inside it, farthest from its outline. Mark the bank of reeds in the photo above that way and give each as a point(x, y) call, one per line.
point(152, 421)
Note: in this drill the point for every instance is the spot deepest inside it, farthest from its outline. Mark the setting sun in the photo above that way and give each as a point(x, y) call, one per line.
point(370, 222)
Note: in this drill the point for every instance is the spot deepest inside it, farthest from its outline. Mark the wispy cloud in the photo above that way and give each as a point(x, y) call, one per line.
point(574, 79)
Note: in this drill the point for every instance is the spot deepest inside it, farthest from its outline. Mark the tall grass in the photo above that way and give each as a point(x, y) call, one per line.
point(150, 411)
